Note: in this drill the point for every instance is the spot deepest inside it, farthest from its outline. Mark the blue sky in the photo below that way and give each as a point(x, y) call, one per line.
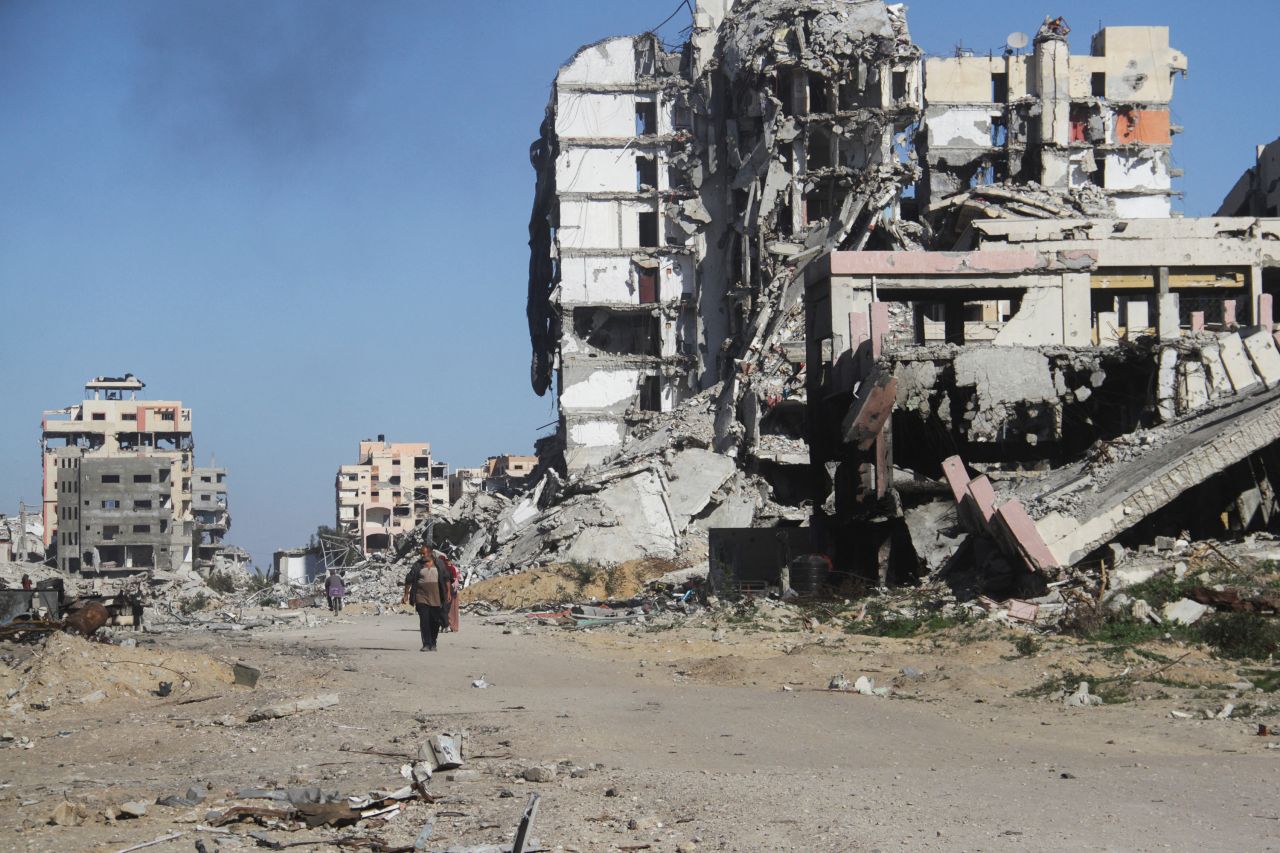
point(307, 220)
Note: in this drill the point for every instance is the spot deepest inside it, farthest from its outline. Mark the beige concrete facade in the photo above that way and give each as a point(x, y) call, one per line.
point(389, 491)
point(1058, 119)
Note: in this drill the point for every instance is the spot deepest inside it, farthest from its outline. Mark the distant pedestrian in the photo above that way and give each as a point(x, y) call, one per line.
point(454, 582)
point(335, 588)
point(26, 582)
point(427, 587)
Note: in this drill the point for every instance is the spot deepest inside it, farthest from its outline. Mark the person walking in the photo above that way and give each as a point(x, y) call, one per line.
point(454, 582)
point(427, 588)
point(335, 588)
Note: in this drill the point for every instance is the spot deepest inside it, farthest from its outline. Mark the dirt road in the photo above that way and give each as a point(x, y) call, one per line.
point(692, 762)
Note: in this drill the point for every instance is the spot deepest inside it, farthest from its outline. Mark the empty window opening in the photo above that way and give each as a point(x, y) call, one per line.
point(899, 85)
point(110, 478)
point(142, 478)
point(651, 394)
point(617, 333)
point(999, 88)
point(142, 504)
point(1079, 128)
point(142, 528)
point(683, 117)
point(820, 152)
point(99, 416)
point(646, 173)
point(1098, 84)
point(984, 175)
point(817, 205)
point(819, 94)
point(646, 118)
point(1098, 176)
point(648, 229)
point(999, 132)
point(786, 91)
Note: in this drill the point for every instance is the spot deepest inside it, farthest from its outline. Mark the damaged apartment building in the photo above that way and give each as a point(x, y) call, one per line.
point(932, 303)
point(394, 487)
point(121, 491)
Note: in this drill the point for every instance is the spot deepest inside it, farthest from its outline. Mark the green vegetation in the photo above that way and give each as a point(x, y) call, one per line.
point(223, 583)
point(1027, 645)
point(1249, 636)
point(194, 603)
point(882, 622)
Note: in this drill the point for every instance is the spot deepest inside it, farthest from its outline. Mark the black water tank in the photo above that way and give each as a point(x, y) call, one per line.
point(809, 573)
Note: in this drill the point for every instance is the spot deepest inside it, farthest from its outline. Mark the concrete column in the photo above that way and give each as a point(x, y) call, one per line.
point(1168, 325)
point(1255, 288)
point(1077, 310)
point(1053, 85)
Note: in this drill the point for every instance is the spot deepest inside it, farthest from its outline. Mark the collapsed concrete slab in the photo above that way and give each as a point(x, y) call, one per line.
point(1104, 502)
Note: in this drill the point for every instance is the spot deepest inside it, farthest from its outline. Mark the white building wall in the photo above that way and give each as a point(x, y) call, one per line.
point(593, 114)
point(608, 61)
point(600, 390)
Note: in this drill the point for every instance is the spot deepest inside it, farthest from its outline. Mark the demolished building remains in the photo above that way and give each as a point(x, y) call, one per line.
point(794, 274)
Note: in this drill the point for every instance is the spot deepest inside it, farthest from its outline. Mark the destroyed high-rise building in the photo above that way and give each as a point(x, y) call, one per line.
point(679, 194)
point(911, 290)
point(391, 490)
point(118, 484)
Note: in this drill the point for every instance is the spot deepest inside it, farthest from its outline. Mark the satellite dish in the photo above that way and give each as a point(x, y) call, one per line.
point(1018, 41)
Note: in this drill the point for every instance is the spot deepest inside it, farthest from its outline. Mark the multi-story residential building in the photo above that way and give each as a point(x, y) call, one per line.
point(212, 518)
point(389, 491)
point(118, 484)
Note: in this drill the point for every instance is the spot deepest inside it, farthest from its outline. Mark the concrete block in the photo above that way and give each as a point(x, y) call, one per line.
point(695, 476)
point(1197, 321)
point(1266, 316)
point(957, 477)
point(1021, 532)
point(879, 327)
point(288, 709)
point(1184, 611)
point(982, 498)
point(1261, 347)
point(1168, 323)
point(1167, 384)
point(870, 410)
point(1236, 361)
point(1108, 328)
point(1193, 389)
point(1229, 314)
point(1219, 384)
point(1137, 317)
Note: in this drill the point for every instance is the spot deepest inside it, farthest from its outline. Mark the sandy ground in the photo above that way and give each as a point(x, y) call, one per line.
point(685, 738)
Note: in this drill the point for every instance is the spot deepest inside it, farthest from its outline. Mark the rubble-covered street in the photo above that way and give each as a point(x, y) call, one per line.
point(716, 731)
